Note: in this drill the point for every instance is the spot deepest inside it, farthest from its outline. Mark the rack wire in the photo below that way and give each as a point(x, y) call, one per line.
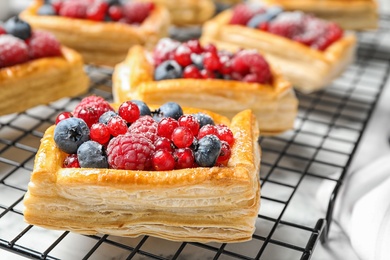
point(319, 149)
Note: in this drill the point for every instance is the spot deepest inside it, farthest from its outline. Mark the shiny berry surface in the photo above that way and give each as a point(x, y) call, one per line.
point(207, 130)
point(117, 126)
point(62, 116)
point(190, 122)
point(163, 161)
point(184, 158)
point(166, 126)
point(182, 137)
point(129, 111)
point(225, 153)
point(100, 133)
point(191, 72)
point(163, 143)
point(71, 161)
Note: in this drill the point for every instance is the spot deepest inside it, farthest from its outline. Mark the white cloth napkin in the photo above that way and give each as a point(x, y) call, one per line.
point(363, 209)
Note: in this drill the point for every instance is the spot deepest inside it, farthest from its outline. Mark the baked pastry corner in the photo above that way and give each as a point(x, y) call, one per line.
point(217, 204)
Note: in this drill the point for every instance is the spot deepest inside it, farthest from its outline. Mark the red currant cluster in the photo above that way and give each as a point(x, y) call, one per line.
point(99, 10)
point(192, 60)
point(130, 139)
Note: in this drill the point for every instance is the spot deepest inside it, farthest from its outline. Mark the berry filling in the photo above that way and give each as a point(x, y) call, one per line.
point(99, 10)
point(19, 43)
point(95, 136)
point(173, 60)
point(297, 26)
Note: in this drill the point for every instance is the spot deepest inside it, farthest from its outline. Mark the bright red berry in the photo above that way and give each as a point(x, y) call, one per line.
point(117, 126)
point(182, 137)
point(225, 153)
point(163, 160)
point(43, 44)
point(182, 55)
point(71, 161)
point(100, 133)
point(146, 126)
point(225, 134)
point(191, 122)
point(211, 61)
point(74, 9)
point(250, 61)
point(97, 11)
point(129, 111)
point(207, 74)
point(207, 130)
point(12, 51)
point(210, 48)
point(242, 13)
point(115, 12)
point(62, 116)
point(184, 158)
point(195, 46)
point(91, 108)
point(2, 30)
point(163, 143)
point(166, 126)
point(56, 4)
point(137, 12)
point(191, 72)
point(164, 50)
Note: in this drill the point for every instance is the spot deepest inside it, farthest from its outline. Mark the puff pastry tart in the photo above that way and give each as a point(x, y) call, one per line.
point(349, 14)
point(35, 69)
point(310, 52)
point(202, 76)
point(101, 33)
point(188, 12)
point(201, 204)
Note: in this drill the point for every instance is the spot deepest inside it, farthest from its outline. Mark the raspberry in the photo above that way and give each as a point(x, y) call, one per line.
point(242, 13)
point(62, 116)
point(74, 9)
point(91, 108)
point(163, 161)
point(71, 161)
point(12, 51)
point(43, 44)
point(287, 24)
point(137, 12)
point(164, 50)
point(332, 34)
point(130, 152)
point(182, 55)
point(146, 126)
point(250, 61)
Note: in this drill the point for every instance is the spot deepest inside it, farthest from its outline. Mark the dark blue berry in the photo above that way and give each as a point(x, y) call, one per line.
point(70, 133)
point(274, 11)
point(207, 151)
point(197, 60)
point(106, 117)
point(204, 119)
point(46, 9)
point(143, 108)
point(91, 155)
point(18, 28)
point(169, 69)
point(170, 109)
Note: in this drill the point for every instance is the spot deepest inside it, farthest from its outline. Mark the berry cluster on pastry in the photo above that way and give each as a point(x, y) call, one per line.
point(202, 76)
point(309, 51)
point(102, 31)
point(35, 68)
point(173, 172)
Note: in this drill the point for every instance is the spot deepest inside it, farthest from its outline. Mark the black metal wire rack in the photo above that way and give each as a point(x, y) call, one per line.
point(319, 149)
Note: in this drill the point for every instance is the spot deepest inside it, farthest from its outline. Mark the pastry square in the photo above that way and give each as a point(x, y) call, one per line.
point(100, 43)
point(188, 12)
point(41, 81)
point(275, 105)
point(306, 68)
point(349, 14)
point(195, 204)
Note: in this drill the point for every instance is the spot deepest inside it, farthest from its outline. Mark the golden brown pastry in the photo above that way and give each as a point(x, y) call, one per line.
point(188, 12)
point(101, 43)
point(349, 14)
point(41, 81)
point(196, 204)
point(275, 105)
point(307, 69)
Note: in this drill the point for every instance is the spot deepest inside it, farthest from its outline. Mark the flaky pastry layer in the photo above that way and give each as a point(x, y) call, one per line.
point(307, 69)
point(188, 12)
point(275, 106)
point(349, 14)
point(101, 43)
point(198, 204)
point(42, 81)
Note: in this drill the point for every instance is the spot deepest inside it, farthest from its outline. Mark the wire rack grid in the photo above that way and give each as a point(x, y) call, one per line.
point(295, 164)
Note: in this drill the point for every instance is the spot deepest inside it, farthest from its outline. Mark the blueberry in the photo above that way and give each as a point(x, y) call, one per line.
point(46, 9)
point(106, 117)
point(143, 108)
point(204, 119)
point(70, 133)
point(91, 155)
point(207, 151)
point(169, 69)
point(197, 60)
point(170, 109)
point(18, 28)
point(273, 11)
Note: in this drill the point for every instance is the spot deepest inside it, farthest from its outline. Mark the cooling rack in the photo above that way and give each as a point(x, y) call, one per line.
point(290, 223)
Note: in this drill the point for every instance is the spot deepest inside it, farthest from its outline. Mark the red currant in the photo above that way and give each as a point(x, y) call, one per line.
point(115, 12)
point(100, 133)
point(191, 122)
point(225, 134)
point(225, 153)
point(97, 11)
point(117, 126)
point(71, 161)
point(163, 160)
point(56, 4)
point(210, 48)
point(211, 61)
point(129, 111)
point(163, 143)
point(207, 74)
point(184, 158)
point(166, 126)
point(207, 130)
point(182, 137)
point(2, 30)
point(195, 46)
point(62, 116)
point(191, 72)
point(183, 55)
